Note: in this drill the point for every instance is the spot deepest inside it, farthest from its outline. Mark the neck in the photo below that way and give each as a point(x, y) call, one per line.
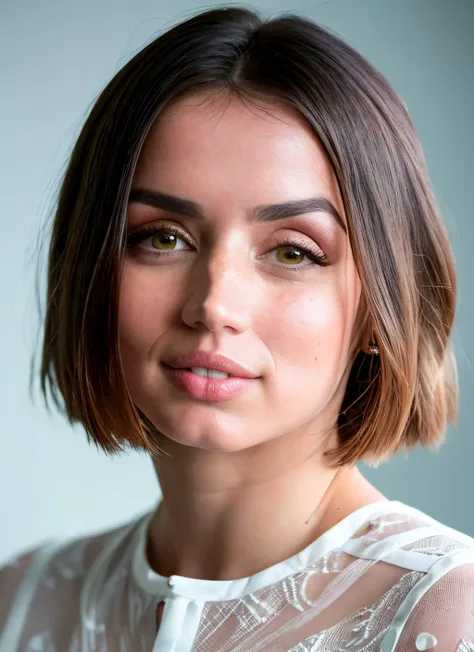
point(222, 518)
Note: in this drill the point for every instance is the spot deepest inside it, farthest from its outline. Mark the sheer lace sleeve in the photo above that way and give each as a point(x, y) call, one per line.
point(41, 593)
point(12, 574)
point(442, 618)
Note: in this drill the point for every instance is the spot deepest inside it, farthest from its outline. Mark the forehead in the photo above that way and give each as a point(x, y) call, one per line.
point(203, 139)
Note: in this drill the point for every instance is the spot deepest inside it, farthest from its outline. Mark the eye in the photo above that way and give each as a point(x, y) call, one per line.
point(165, 240)
point(162, 239)
point(290, 253)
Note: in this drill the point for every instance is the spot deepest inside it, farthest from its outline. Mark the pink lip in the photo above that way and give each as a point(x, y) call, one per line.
point(209, 361)
point(216, 390)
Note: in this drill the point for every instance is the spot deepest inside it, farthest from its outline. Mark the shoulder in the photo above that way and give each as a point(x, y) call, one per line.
point(69, 556)
point(407, 537)
point(39, 581)
point(436, 612)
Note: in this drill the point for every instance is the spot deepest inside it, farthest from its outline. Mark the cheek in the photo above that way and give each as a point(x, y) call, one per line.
point(146, 308)
point(307, 329)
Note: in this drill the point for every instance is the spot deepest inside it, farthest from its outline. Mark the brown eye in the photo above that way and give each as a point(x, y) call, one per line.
point(164, 240)
point(290, 255)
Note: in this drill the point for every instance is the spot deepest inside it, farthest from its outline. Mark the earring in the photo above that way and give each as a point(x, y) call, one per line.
point(374, 349)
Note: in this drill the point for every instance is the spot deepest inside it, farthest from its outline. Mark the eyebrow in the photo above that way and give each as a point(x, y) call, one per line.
point(268, 213)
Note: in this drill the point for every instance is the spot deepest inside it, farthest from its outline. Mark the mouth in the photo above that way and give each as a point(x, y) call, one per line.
point(207, 384)
point(208, 373)
point(209, 365)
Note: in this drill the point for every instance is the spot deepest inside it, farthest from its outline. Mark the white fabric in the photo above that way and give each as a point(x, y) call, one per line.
point(387, 578)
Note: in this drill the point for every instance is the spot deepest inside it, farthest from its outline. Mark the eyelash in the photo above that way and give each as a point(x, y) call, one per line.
point(137, 237)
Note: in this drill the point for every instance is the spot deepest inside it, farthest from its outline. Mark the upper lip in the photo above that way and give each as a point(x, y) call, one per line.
point(209, 361)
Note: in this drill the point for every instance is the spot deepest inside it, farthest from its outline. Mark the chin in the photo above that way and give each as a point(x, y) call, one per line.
point(219, 442)
point(213, 444)
point(217, 433)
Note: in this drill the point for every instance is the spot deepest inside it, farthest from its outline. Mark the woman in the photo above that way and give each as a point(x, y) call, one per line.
point(249, 279)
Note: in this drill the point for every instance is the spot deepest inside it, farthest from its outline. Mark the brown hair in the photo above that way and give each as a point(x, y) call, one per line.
point(405, 395)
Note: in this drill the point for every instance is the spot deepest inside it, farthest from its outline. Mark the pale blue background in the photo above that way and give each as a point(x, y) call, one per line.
point(55, 57)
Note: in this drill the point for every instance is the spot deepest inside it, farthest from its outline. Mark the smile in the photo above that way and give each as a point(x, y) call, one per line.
point(207, 384)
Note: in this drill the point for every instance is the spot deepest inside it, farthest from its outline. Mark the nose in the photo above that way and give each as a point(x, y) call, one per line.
point(220, 296)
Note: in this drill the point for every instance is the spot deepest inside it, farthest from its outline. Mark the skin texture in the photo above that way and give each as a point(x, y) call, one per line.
point(244, 482)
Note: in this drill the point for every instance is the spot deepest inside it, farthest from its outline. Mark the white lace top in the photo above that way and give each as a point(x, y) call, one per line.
point(387, 577)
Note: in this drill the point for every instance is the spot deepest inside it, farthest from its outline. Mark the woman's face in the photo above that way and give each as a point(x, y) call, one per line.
point(224, 280)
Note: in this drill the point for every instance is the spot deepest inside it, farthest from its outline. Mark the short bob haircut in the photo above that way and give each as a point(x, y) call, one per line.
point(405, 395)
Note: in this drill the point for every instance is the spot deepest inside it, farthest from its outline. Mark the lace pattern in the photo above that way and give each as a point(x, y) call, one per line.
point(87, 598)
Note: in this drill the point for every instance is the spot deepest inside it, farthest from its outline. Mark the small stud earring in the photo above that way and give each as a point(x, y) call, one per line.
point(374, 349)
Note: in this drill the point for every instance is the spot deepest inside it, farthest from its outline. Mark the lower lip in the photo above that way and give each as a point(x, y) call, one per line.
point(214, 390)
